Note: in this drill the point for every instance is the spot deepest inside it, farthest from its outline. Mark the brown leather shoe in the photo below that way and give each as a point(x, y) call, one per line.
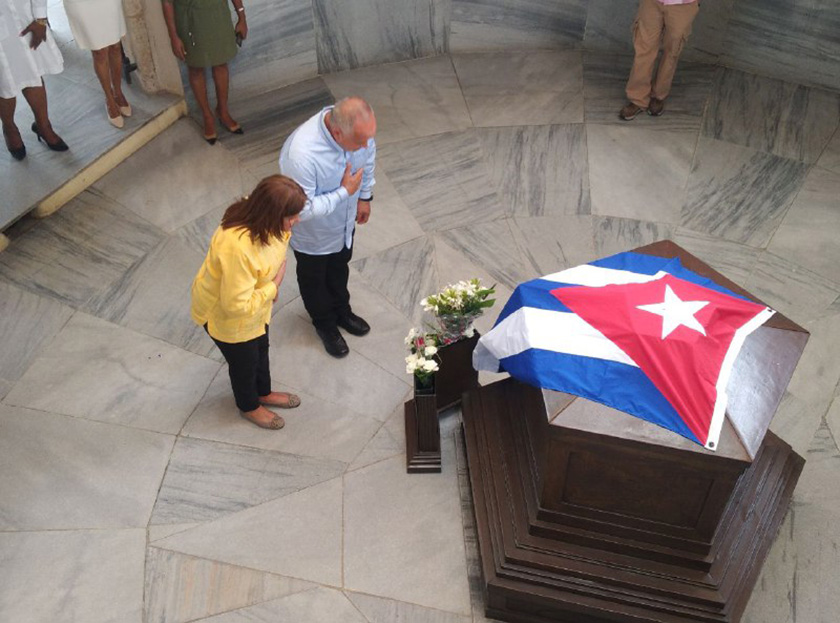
point(630, 111)
point(656, 107)
point(281, 400)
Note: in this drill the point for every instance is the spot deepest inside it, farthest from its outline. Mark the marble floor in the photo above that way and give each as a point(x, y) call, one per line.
point(77, 112)
point(131, 492)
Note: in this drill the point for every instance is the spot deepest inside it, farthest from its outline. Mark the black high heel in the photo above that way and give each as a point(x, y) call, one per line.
point(18, 153)
point(59, 146)
point(237, 129)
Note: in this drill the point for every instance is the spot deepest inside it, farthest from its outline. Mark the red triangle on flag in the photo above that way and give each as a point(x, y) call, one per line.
point(683, 336)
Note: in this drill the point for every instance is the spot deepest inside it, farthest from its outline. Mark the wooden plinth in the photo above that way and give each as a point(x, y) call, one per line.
point(456, 374)
point(422, 435)
point(554, 550)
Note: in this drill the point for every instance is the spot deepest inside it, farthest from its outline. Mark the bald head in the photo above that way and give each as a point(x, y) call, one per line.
point(352, 123)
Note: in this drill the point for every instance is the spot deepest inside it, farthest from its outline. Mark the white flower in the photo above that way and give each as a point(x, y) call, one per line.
point(470, 331)
point(430, 365)
point(411, 335)
point(430, 350)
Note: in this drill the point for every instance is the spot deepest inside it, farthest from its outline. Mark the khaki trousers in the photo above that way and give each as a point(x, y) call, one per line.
point(669, 24)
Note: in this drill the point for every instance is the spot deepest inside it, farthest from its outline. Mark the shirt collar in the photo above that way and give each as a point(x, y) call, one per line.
point(326, 132)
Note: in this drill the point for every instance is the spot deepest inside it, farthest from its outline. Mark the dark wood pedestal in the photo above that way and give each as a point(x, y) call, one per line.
point(456, 374)
point(422, 434)
point(588, 515)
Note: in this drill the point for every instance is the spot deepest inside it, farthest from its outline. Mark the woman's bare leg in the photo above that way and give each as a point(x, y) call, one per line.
point(198, 83)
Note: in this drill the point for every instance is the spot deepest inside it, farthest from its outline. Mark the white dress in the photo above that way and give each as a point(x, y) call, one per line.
point(96, 24)
point(20, 66)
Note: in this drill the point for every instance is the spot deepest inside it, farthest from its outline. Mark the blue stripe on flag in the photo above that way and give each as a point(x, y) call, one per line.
point(614, 384)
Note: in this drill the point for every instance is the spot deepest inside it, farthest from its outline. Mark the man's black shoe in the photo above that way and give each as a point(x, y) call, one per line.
point(354, 325)
point(334, 343)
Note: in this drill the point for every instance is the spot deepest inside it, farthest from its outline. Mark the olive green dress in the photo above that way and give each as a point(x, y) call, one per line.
point(206, 28)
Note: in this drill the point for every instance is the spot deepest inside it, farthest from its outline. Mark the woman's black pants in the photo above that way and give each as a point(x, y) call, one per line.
point(250, 377)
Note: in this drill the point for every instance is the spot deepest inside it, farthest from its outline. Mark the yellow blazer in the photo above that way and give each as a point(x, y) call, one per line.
point(233, 290)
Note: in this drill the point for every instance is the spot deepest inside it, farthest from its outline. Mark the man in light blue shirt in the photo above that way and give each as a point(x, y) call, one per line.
point(331, 156)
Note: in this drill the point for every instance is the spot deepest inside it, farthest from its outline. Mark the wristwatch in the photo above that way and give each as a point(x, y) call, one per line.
point(43, 21)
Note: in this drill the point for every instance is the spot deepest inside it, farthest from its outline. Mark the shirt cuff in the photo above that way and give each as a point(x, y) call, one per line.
point(343, 194)
point(368, 198)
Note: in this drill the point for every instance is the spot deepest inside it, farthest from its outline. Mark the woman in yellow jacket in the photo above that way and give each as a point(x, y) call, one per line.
point(236, 285)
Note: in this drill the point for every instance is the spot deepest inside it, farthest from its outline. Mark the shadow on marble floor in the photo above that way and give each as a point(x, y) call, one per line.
point(216, 520)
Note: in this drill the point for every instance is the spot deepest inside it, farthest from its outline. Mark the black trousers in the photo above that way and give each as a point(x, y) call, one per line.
point(250, 377)
point(323, 286)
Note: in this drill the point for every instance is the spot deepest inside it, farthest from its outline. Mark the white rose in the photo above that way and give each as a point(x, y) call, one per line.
point(430, 365)
point(430, 350)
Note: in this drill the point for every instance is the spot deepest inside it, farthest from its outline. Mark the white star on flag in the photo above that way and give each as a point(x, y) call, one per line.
point(676, 312)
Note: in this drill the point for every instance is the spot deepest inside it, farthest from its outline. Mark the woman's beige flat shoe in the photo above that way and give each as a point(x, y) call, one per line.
point(275, 423)
point(291, 401)
point(126, 111)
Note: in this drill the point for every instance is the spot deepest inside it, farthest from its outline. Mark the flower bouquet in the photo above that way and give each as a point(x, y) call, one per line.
point(423, 360)
point(456, 308)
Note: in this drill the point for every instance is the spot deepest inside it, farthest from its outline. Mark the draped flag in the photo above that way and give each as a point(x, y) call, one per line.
point(635, 332)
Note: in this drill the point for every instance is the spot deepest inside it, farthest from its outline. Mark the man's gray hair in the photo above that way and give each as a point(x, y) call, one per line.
point(348, 111)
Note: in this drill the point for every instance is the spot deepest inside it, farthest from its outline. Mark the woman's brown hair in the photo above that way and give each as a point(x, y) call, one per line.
point(262, 212)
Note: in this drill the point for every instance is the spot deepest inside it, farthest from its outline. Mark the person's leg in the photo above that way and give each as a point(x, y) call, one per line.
point(337, 276)
point(198, 84)
point(312, 280)
point(115, 67)
point(647, 33)
point(102, 67)
point(268, 397)
point(243, 361)
point(10, 130)
point(36, 97)
point(678, 19)
point(221, 78)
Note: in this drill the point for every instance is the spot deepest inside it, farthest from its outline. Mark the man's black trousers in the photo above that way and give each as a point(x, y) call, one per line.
point(323, 286)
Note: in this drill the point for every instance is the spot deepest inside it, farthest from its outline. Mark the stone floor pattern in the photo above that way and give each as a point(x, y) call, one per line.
point(130, 490)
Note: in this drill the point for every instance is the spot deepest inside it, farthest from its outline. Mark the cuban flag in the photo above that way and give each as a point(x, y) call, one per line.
point(635, 332)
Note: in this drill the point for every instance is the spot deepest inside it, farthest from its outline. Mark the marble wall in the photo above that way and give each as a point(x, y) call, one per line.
point(291, 40)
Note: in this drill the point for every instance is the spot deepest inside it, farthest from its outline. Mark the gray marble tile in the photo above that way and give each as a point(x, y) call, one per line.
point(153, 296)
point(794, 584)
point(522, 88)
point(613, 235)
point(389, 441)
point(66, 473)
point(479, 25)
point(73, 577)
point(373, 32)
point(411, 549)
point(183, 588)
point(551, 244)
point(100, 371)
point(206, 480)
point(815, 379)
point(268, 119)
point(832, 418)
point(162, 531)
point(279, 50)
point(830, 158)
point(493, 247)
point(539, 171)
point(5, 388)
point(411, 99)
point(318, 428)
point(379, 610)
point(443, 180)
point(638, 173)
point(787, 120)
point(164, 198)
point(609, 22)
point(79, 251)
point(403, 274)
point(353, 384)
point(733, 260)
point(27, 324)
point(605, 78)
point(795, 422)
point(391, 222)
point(298, 535)
point(798, 293)
point(320, 605)
point(83, 126)
point(809, 233)
point(197, 233)
point(738, 193)
point(793, 41)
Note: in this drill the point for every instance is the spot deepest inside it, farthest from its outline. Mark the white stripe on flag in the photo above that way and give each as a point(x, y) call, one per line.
point(596, 276)
point(530, 327)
